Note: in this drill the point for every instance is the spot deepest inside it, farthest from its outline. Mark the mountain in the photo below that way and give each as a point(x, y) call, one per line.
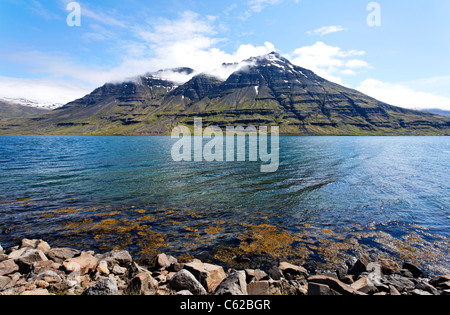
point(437, 111)
point(31, 103)
point(10, 110)
point(266, 90)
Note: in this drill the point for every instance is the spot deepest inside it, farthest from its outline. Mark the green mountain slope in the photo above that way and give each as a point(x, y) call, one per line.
point(269, 90)
point(10, 110)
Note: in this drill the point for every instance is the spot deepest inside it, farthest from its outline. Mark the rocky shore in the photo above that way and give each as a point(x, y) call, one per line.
point(34, 268)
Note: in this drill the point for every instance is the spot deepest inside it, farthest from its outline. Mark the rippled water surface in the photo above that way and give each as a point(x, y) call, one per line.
point(331, 197)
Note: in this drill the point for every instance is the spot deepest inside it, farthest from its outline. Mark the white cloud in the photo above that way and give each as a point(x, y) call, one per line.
point(188, 41)
point(400, 95)
point(327, 30)
point(259, 5)
point(43, 91)
point(330, 62)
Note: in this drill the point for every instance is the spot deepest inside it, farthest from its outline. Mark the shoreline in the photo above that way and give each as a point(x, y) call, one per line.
point(33, 267)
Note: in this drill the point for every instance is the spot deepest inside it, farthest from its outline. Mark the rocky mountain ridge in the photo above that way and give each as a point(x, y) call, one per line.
point(262, 91)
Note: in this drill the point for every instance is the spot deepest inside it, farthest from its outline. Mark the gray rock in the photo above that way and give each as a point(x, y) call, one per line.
point(3, 257)
point(438, 280)
point(267, 287)
point(292, 272)
point(6, 283)
point(365, 285)
point(360, 266)
point(320, 289)
point(27, 259)
point(334, 284)
point(275, 273)
point(376, 276)
point(393, 291)
point(425, 286)
point(419, 292)
point(400, 283)
point(8, 267)
point(59, 255)
point(184, 280)
point(256, 275)
point(142, 284)
point(107, 286)
point(184, 292)
point(388, 266)
point(416, 271)
point(234, 284)
point(164, 261)
point(116, 257)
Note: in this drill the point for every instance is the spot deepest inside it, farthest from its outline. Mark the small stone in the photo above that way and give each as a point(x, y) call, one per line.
point(43, 246)
point(83, 264)
point(425, 286)
point(42, 284)
point(320, 289)
point(28, 258)
point(59, 255)
point(103, 268)
point(234, 284)
point(360, 265)
point(36, 244)
point(364, 285)
point(29, 243)
point(275, 273)
point(8, 267)
point(184, 292)
point(6, 283)
point(348, 279)
point(210, 276)
point(400, 283)
point(3, 257)
point(185, 280)
point(164, 261)
point(292, 272)
point(435, 282)
point(419, 292)
point(393, 290)
point(30, 286)
point(416, 271)
point(255, 275)
point(406, 273)
point(142, 284)
point(259, 288)
point(388, 266)
point(117, 270)
point(444, 285)
point(16, 254)
point(107, 286)
point(117, 257)
point(36, 292)
point(334, 284)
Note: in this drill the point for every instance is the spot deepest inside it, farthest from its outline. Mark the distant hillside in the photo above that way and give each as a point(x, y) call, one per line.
point(10, 110)
point(437, 112)
point(264, 91)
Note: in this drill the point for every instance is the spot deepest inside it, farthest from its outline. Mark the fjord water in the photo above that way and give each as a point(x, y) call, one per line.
point(396, 190)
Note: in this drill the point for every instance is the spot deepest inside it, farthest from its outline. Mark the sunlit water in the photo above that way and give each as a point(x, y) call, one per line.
point(331, 197)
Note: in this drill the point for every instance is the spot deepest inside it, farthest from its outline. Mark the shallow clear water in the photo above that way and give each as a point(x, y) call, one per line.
point(390, 194)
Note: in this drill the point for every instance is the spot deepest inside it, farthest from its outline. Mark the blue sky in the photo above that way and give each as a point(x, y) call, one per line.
point(404, 61)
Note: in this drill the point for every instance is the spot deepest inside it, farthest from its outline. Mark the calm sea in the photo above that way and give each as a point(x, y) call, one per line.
point(332, 197)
